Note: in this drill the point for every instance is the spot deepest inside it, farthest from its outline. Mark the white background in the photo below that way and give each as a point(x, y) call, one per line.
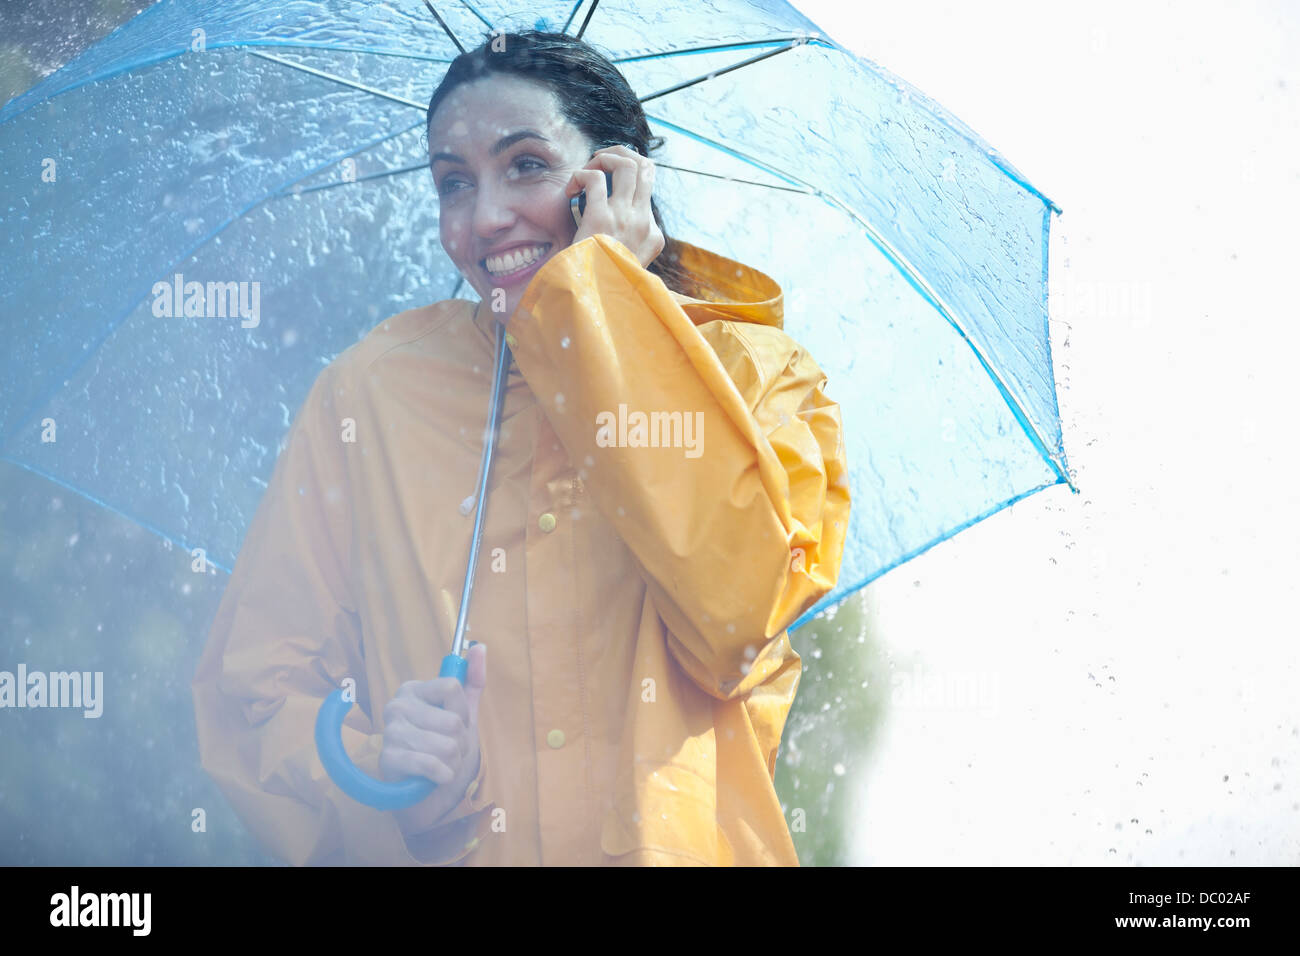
point(1113, 674)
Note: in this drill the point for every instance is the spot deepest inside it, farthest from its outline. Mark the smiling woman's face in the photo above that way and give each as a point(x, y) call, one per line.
point(502, 153)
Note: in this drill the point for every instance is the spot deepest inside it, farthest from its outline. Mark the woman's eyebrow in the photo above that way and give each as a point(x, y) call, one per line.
point(504, 143)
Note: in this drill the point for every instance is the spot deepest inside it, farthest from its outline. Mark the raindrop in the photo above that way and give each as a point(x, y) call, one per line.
point(467, 505)
point(838, 769)
point(564, 342)
point(559, 399)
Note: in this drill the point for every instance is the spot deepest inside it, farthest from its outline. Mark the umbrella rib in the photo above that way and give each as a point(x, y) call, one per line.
point(834, 598)
point(290, 191)
point(95, 499)
point(721, 147)
point(420, 167)
point(339, 79)
point(733, 179)
point(445, 29)
point(587, 19)
point(918, 282)
point(72, 368)
point(572, 13)
point(727, 69)
point(472, 9)
point(715, 47)
point(914, 278)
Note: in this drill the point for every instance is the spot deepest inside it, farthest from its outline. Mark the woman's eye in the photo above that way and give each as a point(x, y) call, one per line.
point(449, 186)
point(529, 164)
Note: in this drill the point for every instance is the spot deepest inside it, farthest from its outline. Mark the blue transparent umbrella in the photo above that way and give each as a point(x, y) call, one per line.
point(277, 152)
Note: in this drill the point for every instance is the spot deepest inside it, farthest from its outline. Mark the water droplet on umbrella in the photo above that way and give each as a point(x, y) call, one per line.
point(564, 342)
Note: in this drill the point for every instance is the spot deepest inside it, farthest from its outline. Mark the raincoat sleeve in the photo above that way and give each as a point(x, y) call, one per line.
point(286, 634)
point(740, 535)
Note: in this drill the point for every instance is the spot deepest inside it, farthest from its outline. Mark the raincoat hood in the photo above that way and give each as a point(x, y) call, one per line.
point(731, 290)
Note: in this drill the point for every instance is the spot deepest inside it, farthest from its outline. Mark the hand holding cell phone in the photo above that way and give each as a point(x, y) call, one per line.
point(578, 204)
point(622, 208)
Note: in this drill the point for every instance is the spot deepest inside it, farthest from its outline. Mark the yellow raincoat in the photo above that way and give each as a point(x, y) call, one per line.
point(634, 598)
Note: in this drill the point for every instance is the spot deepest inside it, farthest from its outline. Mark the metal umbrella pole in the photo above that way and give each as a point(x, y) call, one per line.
point(352, 780)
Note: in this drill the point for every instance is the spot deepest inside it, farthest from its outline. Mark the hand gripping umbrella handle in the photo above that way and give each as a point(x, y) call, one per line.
point(357, 784)
point(354, 781)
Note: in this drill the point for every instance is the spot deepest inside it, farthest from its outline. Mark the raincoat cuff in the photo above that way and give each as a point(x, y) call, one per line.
point(461, 831)
point(475, 797)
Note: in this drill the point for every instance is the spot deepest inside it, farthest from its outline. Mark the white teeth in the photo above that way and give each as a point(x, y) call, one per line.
point(514, 260)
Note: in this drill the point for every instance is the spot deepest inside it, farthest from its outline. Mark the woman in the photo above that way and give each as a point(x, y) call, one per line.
point(669, 493)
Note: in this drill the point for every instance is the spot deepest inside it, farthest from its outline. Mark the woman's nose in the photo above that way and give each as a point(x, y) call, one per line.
point(492, 211)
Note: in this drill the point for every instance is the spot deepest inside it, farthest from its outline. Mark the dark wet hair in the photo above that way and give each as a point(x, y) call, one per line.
point(593, 96)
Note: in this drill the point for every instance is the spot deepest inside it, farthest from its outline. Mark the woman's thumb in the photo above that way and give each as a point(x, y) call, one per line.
point(475, 677)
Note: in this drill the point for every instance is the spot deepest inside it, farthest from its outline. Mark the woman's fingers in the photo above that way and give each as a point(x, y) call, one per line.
point(444, 692)
point(625, 164)
point(589, 180)
point(645, 182)
point(395, 764)
point(625, 172)
point(422, 714)
point(627, 216)
point(449, 748)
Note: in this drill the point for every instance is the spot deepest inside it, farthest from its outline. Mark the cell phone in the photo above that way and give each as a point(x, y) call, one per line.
point(578, 204)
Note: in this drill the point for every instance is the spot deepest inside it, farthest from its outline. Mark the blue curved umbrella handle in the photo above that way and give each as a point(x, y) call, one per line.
point(352, 780)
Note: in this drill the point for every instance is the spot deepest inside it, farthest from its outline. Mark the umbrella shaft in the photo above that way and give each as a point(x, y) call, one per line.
point(480, 495)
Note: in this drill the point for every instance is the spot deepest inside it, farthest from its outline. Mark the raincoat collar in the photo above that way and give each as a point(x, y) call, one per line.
point(731, 290)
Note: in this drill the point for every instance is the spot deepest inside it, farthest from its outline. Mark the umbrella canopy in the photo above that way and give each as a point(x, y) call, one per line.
point(218, 198)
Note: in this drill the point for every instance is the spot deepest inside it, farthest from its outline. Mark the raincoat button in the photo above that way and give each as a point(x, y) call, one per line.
point(511, 340)
point(546, 522)
point(556, 739)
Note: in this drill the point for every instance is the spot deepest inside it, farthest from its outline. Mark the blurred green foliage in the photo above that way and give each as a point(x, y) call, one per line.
point(84, 589)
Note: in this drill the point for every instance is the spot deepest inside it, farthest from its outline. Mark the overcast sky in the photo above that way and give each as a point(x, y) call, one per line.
point(1115, 670)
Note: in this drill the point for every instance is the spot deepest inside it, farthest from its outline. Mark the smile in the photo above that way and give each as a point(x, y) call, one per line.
point(515, 261)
